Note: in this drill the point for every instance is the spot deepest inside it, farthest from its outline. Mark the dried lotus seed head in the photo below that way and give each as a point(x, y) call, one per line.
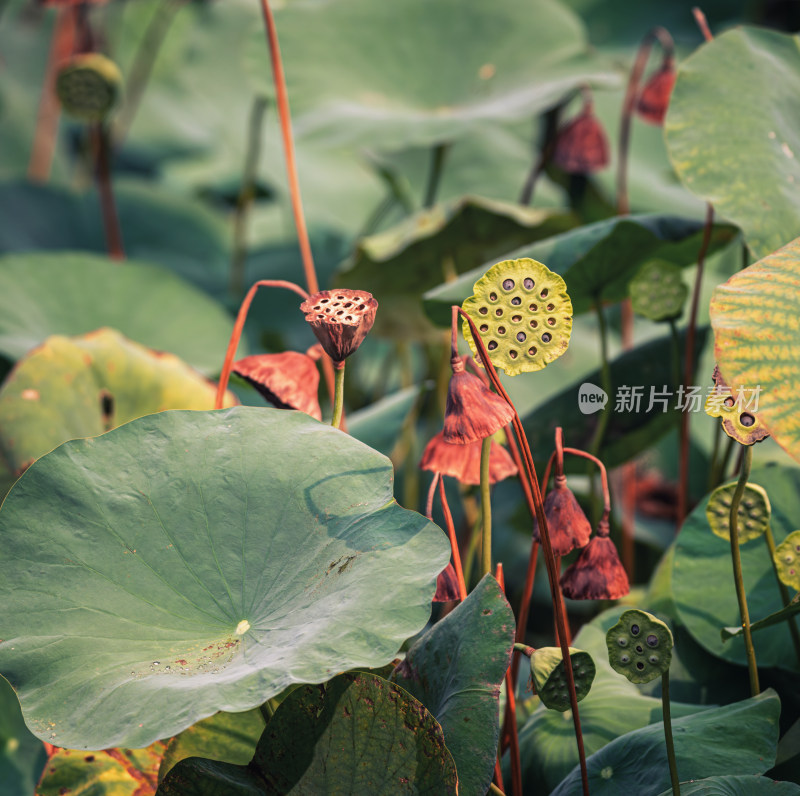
point(787, 560)
point(658, 291)
point(639, 646)
point(753, 515)
point(550, 676)
point(523, 313)
point(88, 86)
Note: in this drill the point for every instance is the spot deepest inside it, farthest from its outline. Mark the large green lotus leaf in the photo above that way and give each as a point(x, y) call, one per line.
point(228, 737)
point(109, 772)
point(356, 734)
point(740, 738)
point(190, 562)
point(742, 785)
point(22, 756)
point(45, 294)
point(628, 432)
point(172, 231)
point(597, 260)
point(757, 339)
point(83, 386)
point(398, 265)
point(614, 706)
point(456, 670)
point(731, 131)
point(702, 558)
point(412, 73)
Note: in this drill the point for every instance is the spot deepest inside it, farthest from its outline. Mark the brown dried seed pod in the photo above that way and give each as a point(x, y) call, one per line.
point(654, 99)
point(568, 526)
point(581, 144)
point(341, 319)
point(289, 380)
point(597, 573)
point(473, 411)
point(464, 461)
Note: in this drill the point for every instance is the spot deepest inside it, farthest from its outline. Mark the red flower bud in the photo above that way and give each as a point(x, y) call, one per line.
point(581, 144)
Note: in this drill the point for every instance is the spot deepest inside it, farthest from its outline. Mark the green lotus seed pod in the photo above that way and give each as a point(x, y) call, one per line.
point(88, 86)
point(787, 560)
point(639, 646)
point(657, 291)
point(523, 313)
point(754, 512)
point(550, 677)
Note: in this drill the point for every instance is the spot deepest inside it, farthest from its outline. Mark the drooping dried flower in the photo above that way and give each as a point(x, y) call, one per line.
point(654, 98)
point(463, 462)
point(597, 573)
point(581, 144)
point(566, 521)
point(447, 585)
point(289, 380)
point(340, 319)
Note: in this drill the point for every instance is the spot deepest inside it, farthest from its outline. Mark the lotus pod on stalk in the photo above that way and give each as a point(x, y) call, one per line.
point(568, 526)
point(738, 422)
point(88, 86)
point(753, 514)
point(597, 573)
point(550, 677)
point(658, 291)
point(340, 319)
point(639, 646)
point(787, 560)
point(523, 313)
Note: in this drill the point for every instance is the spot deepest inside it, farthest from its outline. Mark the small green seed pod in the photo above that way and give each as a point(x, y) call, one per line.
point(550, 677)
point(658, 292)
point(88, 86)
point(787, 560)
point(524, 315)
point(639, 646)
point(753, 515)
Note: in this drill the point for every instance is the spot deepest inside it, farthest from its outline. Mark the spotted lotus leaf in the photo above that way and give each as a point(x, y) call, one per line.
point(738, 421)
point(523, 313)
point(787, 560)
point(639, 646)
point(753, 515)
point(658, 291)
point(550, 676)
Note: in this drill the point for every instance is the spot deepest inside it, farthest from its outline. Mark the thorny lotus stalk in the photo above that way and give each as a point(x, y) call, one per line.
point(530, 474)
point(236, 334)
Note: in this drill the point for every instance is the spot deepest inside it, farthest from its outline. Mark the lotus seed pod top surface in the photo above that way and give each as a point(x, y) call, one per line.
point(658, 292)
point(639, 646)
point(738, 421)
point(787, 560)
point(88, 86)
point(340, 319)
point(523, 313)
point(753, 514)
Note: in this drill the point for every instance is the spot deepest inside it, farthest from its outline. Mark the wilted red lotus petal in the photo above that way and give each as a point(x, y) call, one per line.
point(597, 573)
point(289, 380)
point(566, 521)
point(341, 319)
point(654, 100)
point(581, 144)
point(473, 411)
point(447, 586)
point(464, 461)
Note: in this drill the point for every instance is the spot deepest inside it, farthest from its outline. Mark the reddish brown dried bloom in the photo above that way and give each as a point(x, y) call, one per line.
point(464, 461)
point(654, 99)
point(581, 144)
point(289, 380)
point(566, 521)
point(447, 586)
point(597, 573)
point(473, 411)
point(341, 319)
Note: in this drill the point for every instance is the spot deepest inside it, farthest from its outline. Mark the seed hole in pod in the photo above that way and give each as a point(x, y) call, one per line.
point(349, 318)
point(512, 353)
point(324, 301)
point(492, 345)
point(551, 307)
point(348, 305)
point(551, 321)
point(341, 298)
point(516, 301)
point(320, 317)
point(534, 324)
point(622, 641)
point(543, 294)
point(341, 312)
point(634, 630)
point(546, 338)
point(361, 307)
point(748, 504)
point(747, 420)
point(791, 572)
point(483, 310)
point(624, 658)
point(533, 307)
point(749, 525)
point(528, 283)
point(652, 640)
point(639, 665)
point(728, 401)
point(788, 559)
point(508, 284)
point(639, 649)
point(493, 297)
point(498, 312)
point(516, 318)
point(521, 337)
point(797, 547)
point(532, 351)
point(484, 327)
point(653, 659)
point(501, 330)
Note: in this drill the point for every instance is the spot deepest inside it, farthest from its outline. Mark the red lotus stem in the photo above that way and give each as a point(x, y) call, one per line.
point(451, 532)
point(236, 334)
point(102, 147)
point(603, 476)
point(544, 534)
point(702, 23)
point(431, 493)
